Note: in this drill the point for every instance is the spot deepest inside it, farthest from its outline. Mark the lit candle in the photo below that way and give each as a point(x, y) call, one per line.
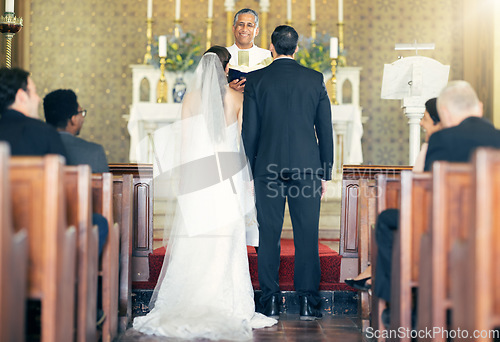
point(341, 11)
point(289, 10)
point(264, 5)
point(210, 9)
point(334, 47)
point(9, 6)
point(162, 46)
point(229, 5)
point(177, 9)
point(313, 10)
point(150, 9)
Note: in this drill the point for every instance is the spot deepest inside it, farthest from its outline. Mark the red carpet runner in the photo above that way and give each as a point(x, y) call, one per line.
point(329, 260)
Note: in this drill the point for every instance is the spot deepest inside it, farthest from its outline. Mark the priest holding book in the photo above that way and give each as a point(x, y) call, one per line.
point(245, 55)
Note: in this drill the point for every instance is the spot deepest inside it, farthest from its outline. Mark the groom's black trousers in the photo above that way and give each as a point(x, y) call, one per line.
point(303, 192)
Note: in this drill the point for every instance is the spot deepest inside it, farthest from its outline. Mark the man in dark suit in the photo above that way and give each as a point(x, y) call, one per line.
point(287, 134)
point(465, 130)
point(19, 124)
point(460, 112)
point(63, 112)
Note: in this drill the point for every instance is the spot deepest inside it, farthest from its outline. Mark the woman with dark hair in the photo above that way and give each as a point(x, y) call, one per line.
point(204, 289)
point(430, 123)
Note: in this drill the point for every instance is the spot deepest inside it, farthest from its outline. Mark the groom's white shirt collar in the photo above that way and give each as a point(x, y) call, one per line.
point(283, 57)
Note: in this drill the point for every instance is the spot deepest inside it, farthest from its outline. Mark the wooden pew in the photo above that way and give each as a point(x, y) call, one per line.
point(13, 262)
point(349, 218)
point(388, 191)
point(77, 186)
point(451, 195)
point(142, 219)
point(415, 217)
point(122, 211)
point(102, 202)
point(475, 283)
point(38, 205)
point(367, 216)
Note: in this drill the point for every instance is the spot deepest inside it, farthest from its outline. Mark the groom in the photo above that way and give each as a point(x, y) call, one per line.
point(287, 134)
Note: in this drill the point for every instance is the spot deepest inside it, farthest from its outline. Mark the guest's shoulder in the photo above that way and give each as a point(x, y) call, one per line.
point(71, 139)
point(233, 48)
point(261, 50)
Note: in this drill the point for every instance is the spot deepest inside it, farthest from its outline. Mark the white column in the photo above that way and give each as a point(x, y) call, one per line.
point(414, 113)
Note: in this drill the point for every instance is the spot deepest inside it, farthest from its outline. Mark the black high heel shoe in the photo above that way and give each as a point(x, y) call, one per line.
point(359, 284)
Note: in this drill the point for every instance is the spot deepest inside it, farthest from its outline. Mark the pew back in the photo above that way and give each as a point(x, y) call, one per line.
point(102, 202)
point(38, 205)
point(483, 272)
point(123, 206)
point(415, 216)
point(13, 262)
point(77, 186)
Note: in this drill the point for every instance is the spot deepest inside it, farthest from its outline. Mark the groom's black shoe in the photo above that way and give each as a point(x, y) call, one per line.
point(272, 307)
point(307, 311)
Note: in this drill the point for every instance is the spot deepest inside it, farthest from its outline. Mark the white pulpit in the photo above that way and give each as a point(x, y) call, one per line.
point(414, 80)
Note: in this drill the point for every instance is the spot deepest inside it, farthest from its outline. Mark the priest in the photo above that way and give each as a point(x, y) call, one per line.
point(245, 55)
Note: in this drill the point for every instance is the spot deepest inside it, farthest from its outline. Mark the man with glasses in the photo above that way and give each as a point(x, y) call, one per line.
point(19, 122)
point(63, 112)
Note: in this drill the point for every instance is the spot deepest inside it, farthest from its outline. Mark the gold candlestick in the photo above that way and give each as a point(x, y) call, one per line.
point(149, 35)
point(177, 28)
point(229, 28)
point(342, 59)
point(209, 32)
point(313, 30)
point(334, 82)
point(263, 35)
point(9, 26)
point(288, 22)
point(161, 88)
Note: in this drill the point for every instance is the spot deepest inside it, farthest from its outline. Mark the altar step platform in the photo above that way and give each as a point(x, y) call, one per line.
point(337, 298)
point(329, 223)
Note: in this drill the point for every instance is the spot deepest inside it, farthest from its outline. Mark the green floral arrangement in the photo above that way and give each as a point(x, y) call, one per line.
point(315, 54)
point(183, 53)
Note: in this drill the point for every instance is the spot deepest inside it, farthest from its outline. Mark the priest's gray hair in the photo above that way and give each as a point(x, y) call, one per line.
point(460, 99)
point(246, 11)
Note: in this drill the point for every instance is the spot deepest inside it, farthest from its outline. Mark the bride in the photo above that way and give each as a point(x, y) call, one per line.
point(204, 289)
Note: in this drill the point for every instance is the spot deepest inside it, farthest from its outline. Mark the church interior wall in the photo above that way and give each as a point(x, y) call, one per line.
point(88, 46)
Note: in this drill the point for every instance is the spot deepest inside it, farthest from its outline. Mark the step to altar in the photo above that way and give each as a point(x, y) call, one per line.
point(332, 302)
point(329, 223)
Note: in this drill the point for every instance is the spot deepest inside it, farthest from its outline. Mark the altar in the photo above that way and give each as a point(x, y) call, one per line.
point(146, 116)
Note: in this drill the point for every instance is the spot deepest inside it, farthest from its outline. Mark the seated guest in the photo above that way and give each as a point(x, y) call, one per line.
point(463, 131)
point(63, 112)
point(19, 124)
point(464, 128)
point(430, 123)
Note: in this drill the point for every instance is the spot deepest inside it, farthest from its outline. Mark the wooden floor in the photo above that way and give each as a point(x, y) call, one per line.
point(290, 328)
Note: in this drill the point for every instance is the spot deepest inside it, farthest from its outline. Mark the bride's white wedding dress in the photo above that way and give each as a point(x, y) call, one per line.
point(205, 289)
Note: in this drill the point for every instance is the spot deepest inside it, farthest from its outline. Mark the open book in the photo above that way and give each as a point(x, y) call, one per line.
point(241, 71)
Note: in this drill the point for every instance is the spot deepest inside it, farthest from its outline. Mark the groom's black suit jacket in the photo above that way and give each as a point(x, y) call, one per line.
point(287, 123)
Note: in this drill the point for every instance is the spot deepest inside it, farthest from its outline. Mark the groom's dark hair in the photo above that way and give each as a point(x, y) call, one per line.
point(285, 39)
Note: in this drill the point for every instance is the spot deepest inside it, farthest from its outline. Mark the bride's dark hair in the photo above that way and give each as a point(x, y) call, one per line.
point(222, 53)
